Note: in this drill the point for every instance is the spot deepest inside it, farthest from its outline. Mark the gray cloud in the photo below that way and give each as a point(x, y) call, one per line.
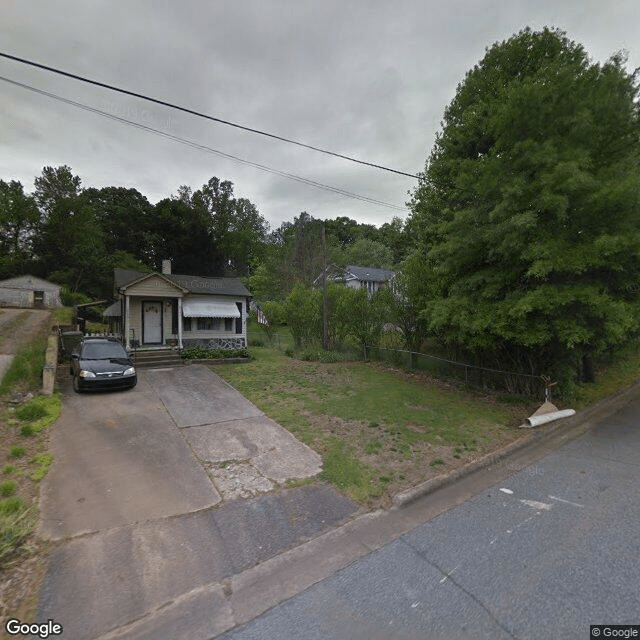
point(364, 78)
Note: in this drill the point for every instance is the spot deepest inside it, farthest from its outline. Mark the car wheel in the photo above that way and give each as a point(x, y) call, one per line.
point(76, 384)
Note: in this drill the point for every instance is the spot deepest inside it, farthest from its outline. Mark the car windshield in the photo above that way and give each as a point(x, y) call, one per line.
point(103, 351)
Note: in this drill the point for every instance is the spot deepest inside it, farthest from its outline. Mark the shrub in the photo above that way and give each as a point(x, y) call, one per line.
point(318, 354)
point(204, 353)
point(7, 488)
point(16, 451)
point(26, 430)
point(70, 298)
point(31, 411)
point(11, 505)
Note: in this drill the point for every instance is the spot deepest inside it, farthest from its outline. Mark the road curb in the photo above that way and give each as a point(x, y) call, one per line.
point(568, 427)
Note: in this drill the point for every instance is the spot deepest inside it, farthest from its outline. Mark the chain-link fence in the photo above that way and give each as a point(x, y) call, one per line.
point(471, 375)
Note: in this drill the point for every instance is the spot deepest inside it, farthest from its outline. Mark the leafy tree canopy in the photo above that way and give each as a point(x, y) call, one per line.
point(19, 218)
point(53, 185)
point(528, 211)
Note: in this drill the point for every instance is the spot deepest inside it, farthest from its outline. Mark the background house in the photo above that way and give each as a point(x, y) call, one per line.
point(160, 309)
point(29, 292)
point(370, 278)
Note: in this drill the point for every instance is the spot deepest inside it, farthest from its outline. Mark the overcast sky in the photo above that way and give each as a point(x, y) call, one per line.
point(364, 78)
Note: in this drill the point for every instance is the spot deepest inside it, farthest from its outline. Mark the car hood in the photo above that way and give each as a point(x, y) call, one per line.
point(102, 366)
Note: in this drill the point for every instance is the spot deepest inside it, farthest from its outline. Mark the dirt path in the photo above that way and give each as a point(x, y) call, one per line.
point(18, 326)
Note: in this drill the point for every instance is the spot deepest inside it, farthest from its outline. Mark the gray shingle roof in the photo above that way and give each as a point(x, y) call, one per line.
point(28, 282)
point(371, 274)
point(194, 284)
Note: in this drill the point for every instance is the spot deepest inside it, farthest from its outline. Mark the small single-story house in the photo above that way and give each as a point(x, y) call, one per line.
point(162, 309)
point(370, 278)
point(29, 292)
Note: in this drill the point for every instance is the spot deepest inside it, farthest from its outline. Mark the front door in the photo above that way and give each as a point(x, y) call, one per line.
point(151, 322)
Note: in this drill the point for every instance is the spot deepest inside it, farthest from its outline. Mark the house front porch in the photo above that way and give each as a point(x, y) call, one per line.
point(159, 311)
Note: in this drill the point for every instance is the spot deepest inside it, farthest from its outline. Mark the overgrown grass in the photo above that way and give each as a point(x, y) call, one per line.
point(348, 411)
point(17, 520)
point(25, 371)
point(23, 445)
point(38, 413)
point(620, 371)
point(63, 315)
point(43, 460)
point(29, 464)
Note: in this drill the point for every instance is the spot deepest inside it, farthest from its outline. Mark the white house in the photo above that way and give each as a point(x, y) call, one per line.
point(161, 309)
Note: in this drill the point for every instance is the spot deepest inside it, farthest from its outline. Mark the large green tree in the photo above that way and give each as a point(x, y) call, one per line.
point(126, 219)
point(182, 234)
point(70, 248)
point(235, 224)
point(54, 185)
point(528, 212)
point(19, 218)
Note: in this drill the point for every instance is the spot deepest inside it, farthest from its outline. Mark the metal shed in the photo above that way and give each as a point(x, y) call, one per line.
point(29, 292)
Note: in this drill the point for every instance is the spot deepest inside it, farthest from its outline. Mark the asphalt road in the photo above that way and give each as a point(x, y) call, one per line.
point(545, 553)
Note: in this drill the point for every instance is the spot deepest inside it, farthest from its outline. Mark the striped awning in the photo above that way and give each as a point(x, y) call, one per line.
point(203, 307)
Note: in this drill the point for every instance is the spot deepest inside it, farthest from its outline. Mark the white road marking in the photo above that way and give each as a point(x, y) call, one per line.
point(448, 575)
point(506, 491)
point(537, 505)
point(574, 504)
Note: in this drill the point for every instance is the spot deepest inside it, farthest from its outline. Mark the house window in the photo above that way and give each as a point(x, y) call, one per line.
point(228, 324)
point(208, 324)
point(186, 324)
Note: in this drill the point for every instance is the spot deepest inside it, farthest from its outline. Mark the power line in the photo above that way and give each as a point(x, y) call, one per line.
point(202, 147)
point(199, 114)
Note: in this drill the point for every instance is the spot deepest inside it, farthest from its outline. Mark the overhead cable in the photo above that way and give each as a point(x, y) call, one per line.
point(202, 147)
point(199, 114)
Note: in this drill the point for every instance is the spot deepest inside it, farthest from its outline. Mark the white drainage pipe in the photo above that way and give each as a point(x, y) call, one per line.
point(535, 421)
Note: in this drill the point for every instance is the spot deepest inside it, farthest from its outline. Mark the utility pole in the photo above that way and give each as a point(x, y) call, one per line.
point(325, 311)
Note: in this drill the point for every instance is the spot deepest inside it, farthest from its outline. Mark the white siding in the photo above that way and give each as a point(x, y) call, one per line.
point(154, 287)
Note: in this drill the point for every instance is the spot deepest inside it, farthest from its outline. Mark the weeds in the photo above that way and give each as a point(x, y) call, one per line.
point(7, 488)
point(31, 411)
point(44, 461)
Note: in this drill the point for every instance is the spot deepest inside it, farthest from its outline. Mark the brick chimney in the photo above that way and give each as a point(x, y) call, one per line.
point(166, 267)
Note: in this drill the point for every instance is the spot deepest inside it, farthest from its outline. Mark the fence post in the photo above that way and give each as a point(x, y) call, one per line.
point(412, 360)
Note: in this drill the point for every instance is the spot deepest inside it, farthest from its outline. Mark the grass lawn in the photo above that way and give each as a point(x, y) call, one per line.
point(379, 430)
point(24, 462)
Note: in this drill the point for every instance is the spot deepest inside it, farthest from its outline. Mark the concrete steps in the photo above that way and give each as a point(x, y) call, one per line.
point(157, 359)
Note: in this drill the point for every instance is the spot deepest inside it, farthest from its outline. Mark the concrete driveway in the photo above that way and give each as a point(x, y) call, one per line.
point(181, 441)
point(144, 503)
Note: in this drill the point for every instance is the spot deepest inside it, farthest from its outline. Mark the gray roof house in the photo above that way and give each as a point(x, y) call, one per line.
point(370, 278)
point(157, 309)
point(29, 292)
